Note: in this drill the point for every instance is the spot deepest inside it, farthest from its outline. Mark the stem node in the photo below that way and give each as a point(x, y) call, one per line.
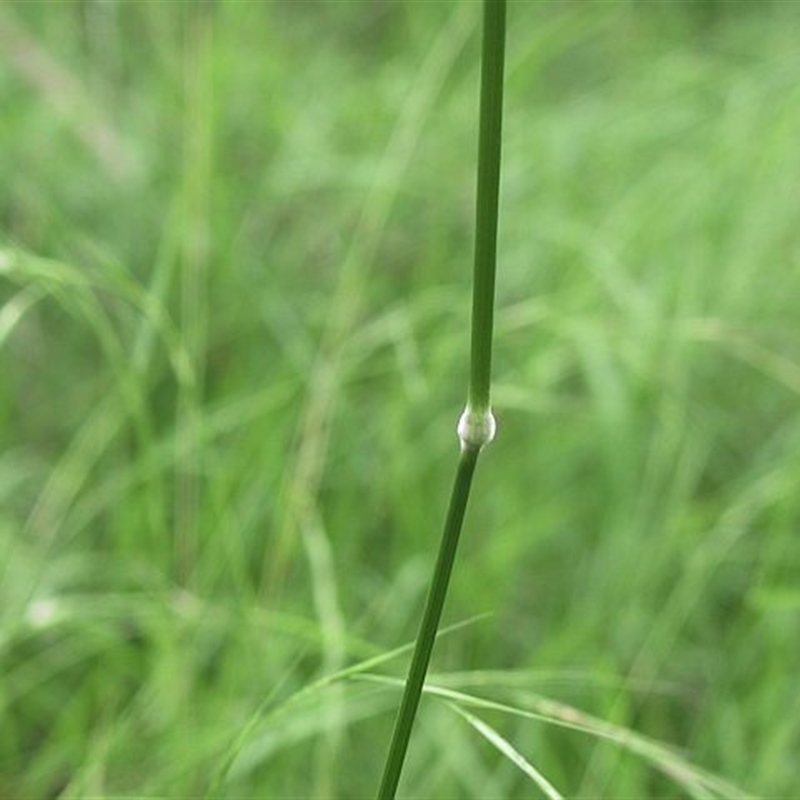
point(476, 428)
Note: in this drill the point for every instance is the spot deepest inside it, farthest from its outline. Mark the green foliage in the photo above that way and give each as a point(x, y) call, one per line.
point(234, 285)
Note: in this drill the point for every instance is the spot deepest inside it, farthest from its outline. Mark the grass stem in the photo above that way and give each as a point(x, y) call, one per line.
point(430, 622)
point(486, 206)
point(476, 426)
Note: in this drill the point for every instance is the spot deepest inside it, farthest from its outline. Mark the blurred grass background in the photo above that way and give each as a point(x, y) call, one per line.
point(234, 286)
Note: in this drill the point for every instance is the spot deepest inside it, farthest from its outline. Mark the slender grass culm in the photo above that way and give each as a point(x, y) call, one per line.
point(476, 427)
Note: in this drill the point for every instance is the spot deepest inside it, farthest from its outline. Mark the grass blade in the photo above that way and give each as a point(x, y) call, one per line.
point(510, 752)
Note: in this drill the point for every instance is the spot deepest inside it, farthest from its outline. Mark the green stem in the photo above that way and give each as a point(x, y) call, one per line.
point(486, 211)
point(430, 623)
point(476, 426)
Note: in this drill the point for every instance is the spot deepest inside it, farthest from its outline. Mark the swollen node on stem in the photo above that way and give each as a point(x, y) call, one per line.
point(476, 427)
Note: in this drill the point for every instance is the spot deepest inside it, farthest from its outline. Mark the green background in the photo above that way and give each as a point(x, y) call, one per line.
point(235, 255)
